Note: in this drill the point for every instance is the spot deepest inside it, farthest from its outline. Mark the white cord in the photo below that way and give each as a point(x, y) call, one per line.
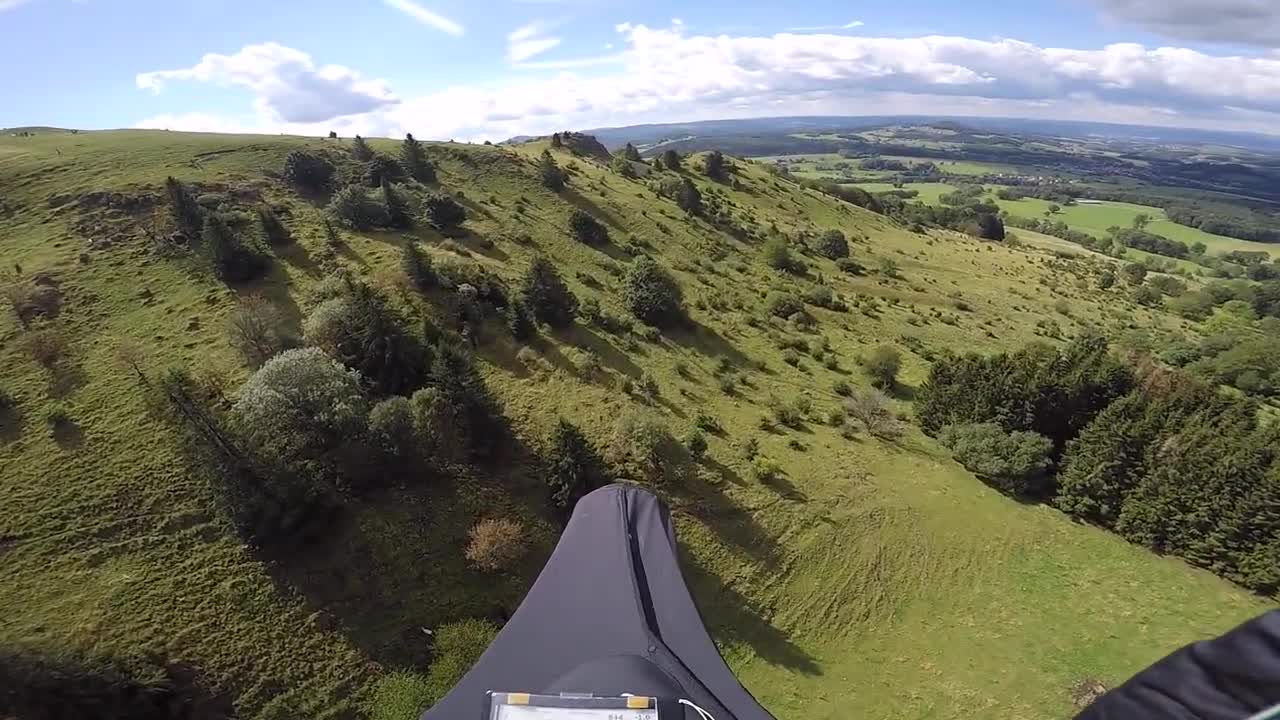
point(701, 713)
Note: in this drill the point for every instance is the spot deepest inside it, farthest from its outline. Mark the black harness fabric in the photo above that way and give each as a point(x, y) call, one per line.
point(1228, 678)
point(613, 587)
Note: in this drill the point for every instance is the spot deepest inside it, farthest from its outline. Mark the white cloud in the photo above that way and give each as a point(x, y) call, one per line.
point(529, 40)
point(812, 28)
point(286, 83)
point(667, 75)
point(426, 17)
point(11, 4)
point(1241, 22)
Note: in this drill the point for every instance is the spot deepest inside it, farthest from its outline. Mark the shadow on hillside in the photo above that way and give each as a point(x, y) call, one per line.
point(610, 356)
point(275, 289)
point(731, 619)
point(295, 255)
point(68, 434)
point(730, 523)
point(65, 378)
point(700, 338)
point(480, 245)
point(11, 421)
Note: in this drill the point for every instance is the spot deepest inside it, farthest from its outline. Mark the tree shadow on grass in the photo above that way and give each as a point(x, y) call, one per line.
point(295, 255)
point(731, 619)
point(11, 422)
point(610, 356)
point(703, 339)
point(275, 289)
point(68, 434)
point(731, 523)
point(65, 378)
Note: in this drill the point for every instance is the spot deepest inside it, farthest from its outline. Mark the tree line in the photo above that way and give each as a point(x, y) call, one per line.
point(1157, 455)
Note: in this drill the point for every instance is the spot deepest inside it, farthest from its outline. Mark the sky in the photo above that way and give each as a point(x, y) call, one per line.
point(490, 69)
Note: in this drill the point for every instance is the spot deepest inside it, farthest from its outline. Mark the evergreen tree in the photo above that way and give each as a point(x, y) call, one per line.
point(671, 160)
point(272, 229)
point(417, 266)
point(833, 245)
point(187, 214)
point(360, 150)
point(588, 230)
point(462, 389)
point(556, 142)
point(715, 166)
point(546, 295)
point(415, 162)
point(576, 469)
point(631, 153)
point(233, 260)
point(374, 341)
point(443, 212)
point(990, 227)
point(397, 209)
point(520, 322)
point(551, 174)
point(1134, 273)
point(383, 168)
point(688, 198)
point(622, 166)
point(307, 171)
point(652, 294)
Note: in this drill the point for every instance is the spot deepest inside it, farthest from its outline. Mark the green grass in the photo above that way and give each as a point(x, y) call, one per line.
point(871, 578)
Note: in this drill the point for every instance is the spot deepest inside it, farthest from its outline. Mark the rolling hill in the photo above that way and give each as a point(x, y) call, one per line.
point(856, 576)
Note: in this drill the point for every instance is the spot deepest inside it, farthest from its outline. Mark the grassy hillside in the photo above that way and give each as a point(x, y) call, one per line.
point(868, 577)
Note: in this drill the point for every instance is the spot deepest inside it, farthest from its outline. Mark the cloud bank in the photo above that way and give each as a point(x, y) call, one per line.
point(666, 74)
point(1238, 22)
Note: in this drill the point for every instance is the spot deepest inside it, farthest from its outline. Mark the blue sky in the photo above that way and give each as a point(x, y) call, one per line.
point(487, 69)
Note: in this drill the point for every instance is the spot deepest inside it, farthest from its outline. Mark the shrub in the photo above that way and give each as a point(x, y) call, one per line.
point(783, 305)
point(1147, 295)
point(1013, 462)
point(842, 388)
point(46, 345)
point(873, 410)
point(778, 256)
point(820, 295)
point(496, 544)
point(786, 415)
point(443, 212)
point(395, 207)
point(696, 443)
point(551, 175)
point(833, 245)
point(881, 367)
point(1106, 279)
point(354, 208)
point(1134, 273)
point(652, 294)
point(764, 469)
point(257, 330)
point(30, 301)
point(307, 170)
point(8, 401)
point(546, 295)
point(417, 267)
point(519, 322)
point(791, 357)
point(639, 439)
point(185, 209)
point(587, 230)
point(392, 426)
point(234, 260)
point(364, 332)
point(1062, 307)
point(851, 266)
point(57, 416)
point(400, 695)
point(706, 421)
point(575, 467)
point(457, 648)
point(728, 384)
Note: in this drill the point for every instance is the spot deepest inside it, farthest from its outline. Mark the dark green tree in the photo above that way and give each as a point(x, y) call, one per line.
point(418, 268)
point(476, 416)
point(689, 198)
point(652, 295)
point(556, 142)
point(395, 206)
point(631, 153)
point(588, 230)
point(622, 166)
point(273, 230)
point(833, 245)
point(374, 340)
point(443, 212)
point(382, 168)
point(308, 171)
point(671, 160)
point(360, 150)
point(1106, 279)
point(551, 174)
point(520, 322)
point(1015, 463)
point(576, 468)
point(234, 260)
point(186, 212)
point(990, 227)
point(881, 367)
point(415, 162)
point(1134, 273)
point(353, 207)
point(546, 295)
point(715, 166)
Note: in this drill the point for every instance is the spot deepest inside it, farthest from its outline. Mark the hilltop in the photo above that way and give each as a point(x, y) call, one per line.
point(841, 572)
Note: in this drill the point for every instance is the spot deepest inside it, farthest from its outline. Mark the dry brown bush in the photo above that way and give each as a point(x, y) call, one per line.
point(496, 544)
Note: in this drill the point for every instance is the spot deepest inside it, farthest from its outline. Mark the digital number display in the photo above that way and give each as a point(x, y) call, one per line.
point(534, 712)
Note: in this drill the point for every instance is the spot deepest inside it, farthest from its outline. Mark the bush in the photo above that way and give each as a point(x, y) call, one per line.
point(443, 212)
point(643, 441)
point(764, 469)
point(652, 294)
point(783, 305)
point(417, 267)
point(307, 171)
point(551, 175)
point(881, 367)
point(791, 357)
point(851, 266)
point(1106, 279)
point(1013, 462)
point(778, 256)
point(257, 330)
point(495, 545)
point(842, 388)
point(353, 207)
point(457, 648)
point(1134, 273)
point(696, 443)
point(873, 410)
point(392, 426)
point(234, 260)
point(400, 695)
point(546, 295)
point(588, 230)
point(46, 345)
point(364, 332)
point(575, 467)
point(833, 245)
point(707, 422)
point(520, 322)
point(820, 295)
point(1147, 296)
